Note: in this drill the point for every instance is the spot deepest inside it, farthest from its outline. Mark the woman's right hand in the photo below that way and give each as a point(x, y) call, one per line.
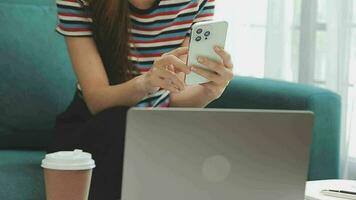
point(164, 73)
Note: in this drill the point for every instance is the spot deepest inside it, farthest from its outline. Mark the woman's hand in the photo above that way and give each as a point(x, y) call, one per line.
point(219, 74)
point(163, 74)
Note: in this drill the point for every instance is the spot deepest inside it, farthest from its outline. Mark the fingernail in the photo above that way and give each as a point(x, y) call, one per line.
point(217, 48)
point(201, 59)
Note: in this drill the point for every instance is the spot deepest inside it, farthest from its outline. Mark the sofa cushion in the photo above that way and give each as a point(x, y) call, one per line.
point(21, 175)
point(36, 79)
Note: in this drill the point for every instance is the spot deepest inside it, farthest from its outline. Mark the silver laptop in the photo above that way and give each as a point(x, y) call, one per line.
point(209, 154)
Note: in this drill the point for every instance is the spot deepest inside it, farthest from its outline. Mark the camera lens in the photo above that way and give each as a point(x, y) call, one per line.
point(198, 38)
point(199, 31)
point(207, 33)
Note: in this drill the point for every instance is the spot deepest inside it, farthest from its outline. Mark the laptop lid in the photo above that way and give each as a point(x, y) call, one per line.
point(210, 154)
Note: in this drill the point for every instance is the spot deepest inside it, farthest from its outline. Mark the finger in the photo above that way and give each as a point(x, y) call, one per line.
point(226, 57)
point(178, 64)
point(166, 85)
point(180, 75)
point(170, 68)
point(225, 73)
point(163, 83)
point(212, 65)
point(181, 51)
point(211, 76)
point(210, 84)
point(170, 77)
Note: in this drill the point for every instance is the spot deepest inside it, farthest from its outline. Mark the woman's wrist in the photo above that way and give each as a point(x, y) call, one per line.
point(211, 94)
point(139, 84)
point(143, 86)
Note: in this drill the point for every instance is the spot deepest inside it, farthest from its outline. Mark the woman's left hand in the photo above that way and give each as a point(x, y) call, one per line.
point(219, 74)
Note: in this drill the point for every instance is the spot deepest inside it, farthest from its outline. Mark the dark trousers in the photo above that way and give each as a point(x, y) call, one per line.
point(101, 135)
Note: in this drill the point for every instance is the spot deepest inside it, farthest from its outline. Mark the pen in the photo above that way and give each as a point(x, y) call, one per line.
point(340, 193)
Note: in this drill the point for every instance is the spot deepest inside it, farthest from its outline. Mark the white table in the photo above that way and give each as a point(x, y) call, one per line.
point(313, 188)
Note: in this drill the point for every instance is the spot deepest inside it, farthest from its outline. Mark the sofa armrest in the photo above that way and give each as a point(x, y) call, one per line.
point(254, 93)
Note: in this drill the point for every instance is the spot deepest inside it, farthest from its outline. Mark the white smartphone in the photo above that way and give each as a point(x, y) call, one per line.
point(204, 37)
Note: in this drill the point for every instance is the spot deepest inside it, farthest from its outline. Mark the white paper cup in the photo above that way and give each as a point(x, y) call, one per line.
point(68, 175)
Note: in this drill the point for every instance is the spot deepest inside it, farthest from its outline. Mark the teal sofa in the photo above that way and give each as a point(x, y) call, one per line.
point(37, 83)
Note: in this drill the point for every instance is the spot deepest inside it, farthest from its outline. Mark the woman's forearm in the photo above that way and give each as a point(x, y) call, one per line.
point(192, 96)
point(125, 94)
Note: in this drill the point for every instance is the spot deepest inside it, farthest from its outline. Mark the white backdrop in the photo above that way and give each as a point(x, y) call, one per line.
point(305, 41)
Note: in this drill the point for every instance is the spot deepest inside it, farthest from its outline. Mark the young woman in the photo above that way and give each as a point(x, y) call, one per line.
point(128, 53)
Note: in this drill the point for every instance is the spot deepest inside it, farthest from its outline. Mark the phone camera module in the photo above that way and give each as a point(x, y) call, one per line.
point(199, 30)
point(207, 33)
point(198, 38)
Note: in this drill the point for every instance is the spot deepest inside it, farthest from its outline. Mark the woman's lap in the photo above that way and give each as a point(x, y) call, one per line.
point(101, 135)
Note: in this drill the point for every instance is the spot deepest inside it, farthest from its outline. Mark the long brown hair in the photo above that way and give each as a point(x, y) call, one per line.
point(111, 23)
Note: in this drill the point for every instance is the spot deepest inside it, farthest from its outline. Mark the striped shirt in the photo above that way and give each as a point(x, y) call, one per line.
point(154, 31)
